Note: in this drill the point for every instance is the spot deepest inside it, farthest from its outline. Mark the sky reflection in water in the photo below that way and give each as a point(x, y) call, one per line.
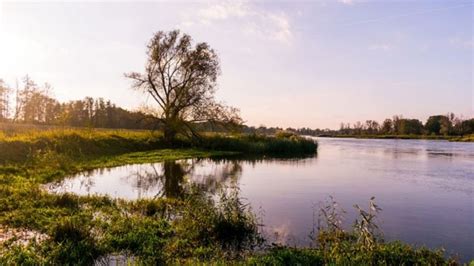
point(424, 187)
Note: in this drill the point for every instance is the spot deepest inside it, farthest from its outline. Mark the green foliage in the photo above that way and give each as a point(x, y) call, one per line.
point(365, 227)
point(409, 126)
point(61, 145)
point(261, 144)
point(60, 148)
point(210, 229)
point(141, 237)
point(468, 138)
point(288, 256)
point(363, 245)
point(443, 125)
point(285, 135)
point(72, 242)
point(29, 255)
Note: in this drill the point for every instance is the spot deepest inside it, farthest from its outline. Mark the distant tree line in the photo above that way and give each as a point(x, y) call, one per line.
point(32, 104)
point(446, 125)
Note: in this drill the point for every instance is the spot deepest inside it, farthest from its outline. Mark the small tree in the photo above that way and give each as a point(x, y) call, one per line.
point(387, 126)
point(4, 107)
point(181, 79)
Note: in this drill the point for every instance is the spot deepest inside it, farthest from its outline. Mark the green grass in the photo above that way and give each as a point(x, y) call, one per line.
point(196, 228)
point(82, 229)
point(350, 253)
point(468, 138)
point(25, 145)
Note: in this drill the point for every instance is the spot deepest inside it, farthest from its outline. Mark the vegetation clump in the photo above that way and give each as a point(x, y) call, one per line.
point(61, 145)
point(361, 246)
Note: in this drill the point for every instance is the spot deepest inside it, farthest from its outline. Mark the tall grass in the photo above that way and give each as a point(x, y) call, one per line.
point(75, 143)
point(24, 145)
point(467, 138)
point(153, 232)
point(260, 144)
point(361, 246)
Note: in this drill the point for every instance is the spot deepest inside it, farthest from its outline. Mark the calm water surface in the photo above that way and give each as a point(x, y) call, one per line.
point(424, 187)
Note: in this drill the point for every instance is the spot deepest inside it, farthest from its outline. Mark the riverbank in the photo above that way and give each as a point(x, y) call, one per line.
point(26, 145)
point(44, 228)
point(468, 138)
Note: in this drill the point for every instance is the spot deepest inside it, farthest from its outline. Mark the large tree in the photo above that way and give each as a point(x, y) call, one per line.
point(181, 79)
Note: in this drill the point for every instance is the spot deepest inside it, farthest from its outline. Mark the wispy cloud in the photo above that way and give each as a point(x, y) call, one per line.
point(273, 26)
point(251, 19)
point(222, 11)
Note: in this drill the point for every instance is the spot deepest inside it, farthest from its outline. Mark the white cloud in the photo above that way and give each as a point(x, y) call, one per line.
point(222, 11)
point(255, 21)
point(282, 30)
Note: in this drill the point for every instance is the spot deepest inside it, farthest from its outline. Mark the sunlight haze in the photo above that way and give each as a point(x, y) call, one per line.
point(300, 64)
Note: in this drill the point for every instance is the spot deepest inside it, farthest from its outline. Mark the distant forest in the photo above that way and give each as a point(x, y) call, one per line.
point(30, 103)
point(438, 125)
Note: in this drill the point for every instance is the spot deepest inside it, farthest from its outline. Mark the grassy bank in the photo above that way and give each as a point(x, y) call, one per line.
point(25, 145)
point(80, 230)
point(468, 138)
point(40, 228)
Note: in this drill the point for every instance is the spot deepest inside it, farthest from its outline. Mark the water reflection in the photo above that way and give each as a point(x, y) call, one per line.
point(170, 179)
point(425, 187)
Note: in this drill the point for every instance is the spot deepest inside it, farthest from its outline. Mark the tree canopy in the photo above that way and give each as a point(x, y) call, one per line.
point(181, 79)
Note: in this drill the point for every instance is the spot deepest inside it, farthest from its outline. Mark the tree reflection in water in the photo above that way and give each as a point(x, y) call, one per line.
point(172, 179)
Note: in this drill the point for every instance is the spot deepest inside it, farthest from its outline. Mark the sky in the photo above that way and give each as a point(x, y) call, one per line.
point(284, 63)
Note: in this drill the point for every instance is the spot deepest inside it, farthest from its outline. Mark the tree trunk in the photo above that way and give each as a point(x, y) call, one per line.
point(169, 134)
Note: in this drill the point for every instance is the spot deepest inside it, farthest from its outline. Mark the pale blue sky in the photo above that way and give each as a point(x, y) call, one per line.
point(312, 63)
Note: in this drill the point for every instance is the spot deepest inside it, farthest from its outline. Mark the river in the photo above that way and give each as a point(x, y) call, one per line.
point(424, 187)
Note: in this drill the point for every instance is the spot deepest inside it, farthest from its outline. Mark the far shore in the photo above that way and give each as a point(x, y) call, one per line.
point(467, 138)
